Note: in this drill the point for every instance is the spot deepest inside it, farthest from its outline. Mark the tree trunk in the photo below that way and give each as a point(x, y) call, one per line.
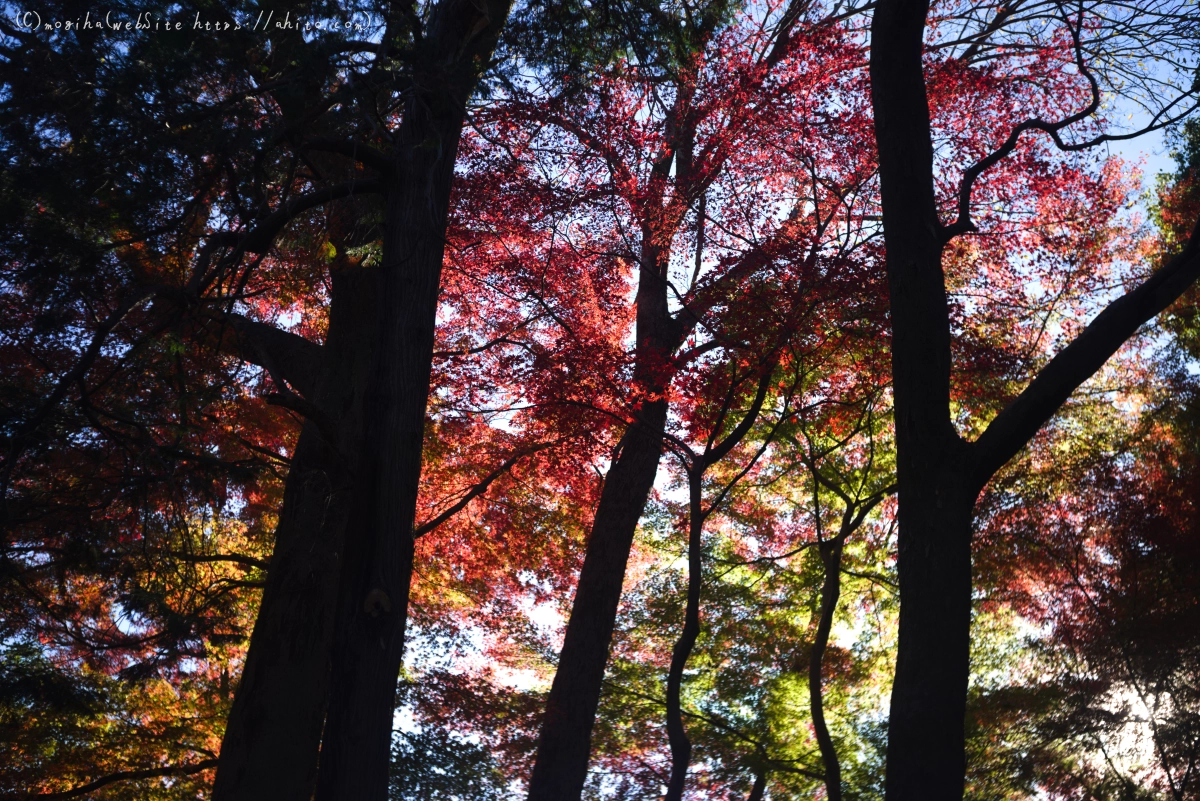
point(939, 474)
point(926, 742)
point(831, 558)
point(681, 746)
point(372, 606)
point(759, 789)
point(372, 603)
point(565, 743)
point(925, 757)
point(274, 729)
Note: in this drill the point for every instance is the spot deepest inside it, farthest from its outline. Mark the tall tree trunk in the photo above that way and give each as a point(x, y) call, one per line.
point(564, 745)
point(926, 742)
point(562, 756)
point(925, 757)
point(274, 729)
point(372, 606)
point(758, 790)
point(372, 601)
point(831, 558)
point(940, 475)
point(681, 746)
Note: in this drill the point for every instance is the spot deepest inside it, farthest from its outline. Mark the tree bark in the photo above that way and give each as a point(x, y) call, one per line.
point(831, 558)
point(925, 756)
point(274, 729)
point(565, 743)
point(926, 739)
point(372, 603)
point(681, 746)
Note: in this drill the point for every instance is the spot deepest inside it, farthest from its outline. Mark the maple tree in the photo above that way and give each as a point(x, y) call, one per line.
point(706, 141)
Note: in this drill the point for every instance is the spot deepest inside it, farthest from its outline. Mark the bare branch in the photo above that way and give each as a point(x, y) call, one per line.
point(236, 558)
point(479, 489)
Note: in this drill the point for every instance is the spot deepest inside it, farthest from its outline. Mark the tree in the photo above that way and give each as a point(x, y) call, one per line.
point(940, 473)
point(704, 138)
point(128, 563)
point(1091, 553)
point(277, 128)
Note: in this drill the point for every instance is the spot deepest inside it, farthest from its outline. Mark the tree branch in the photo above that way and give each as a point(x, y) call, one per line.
point(478, 489)
point(26, 431)
point(366, 155)
point(236, 558)
point(722, 449)
point(119, 776)
point(260, 237)
point(297, 360)
point(1020, 420)
point(303, 359)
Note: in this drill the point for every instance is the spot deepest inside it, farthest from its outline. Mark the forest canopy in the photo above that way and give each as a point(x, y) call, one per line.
point(605, 399)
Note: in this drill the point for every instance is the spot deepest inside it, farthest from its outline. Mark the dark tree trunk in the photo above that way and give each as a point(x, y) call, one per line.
point(681, 746)
point(925, 758)
point(831, 558)
point(274, 729)
point(372, 605)
point(565, 743)
point(939, 474)
point(926, 745)
point(759, 789)
point(373, 600)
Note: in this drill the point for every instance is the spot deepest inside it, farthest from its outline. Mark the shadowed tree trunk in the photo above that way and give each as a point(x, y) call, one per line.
point(939, 474)
point(274, 729)
point(560, 767)
point(831, 558)
point(372, 605)
point(758, 790)
point(681, 746)
point(566, 737)
point(564, 743)
point(925, 757)
point(343, 555)
point(830, 551)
